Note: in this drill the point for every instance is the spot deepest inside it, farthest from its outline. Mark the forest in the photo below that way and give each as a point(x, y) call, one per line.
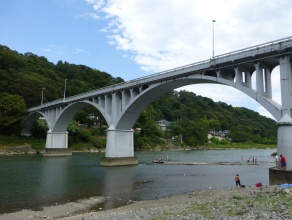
point(24, 77)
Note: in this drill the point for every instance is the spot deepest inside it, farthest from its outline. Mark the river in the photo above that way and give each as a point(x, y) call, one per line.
point(33, 181)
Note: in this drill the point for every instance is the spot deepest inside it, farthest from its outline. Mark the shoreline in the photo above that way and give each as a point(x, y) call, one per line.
point(230, 203)
point(28, 150)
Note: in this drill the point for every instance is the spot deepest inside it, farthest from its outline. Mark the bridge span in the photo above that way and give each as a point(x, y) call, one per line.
point(122, 103)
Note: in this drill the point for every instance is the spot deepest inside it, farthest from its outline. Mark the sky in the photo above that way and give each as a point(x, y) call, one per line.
point(135, 38)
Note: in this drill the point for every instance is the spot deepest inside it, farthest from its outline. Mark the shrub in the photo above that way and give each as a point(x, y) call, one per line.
point(39, 129)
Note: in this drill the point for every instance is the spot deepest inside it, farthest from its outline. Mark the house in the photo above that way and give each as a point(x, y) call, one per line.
point(218, 134)
point(162, 124)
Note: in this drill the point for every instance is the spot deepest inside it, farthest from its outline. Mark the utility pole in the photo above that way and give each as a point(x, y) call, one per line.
point(65, 91)
point(213, 38)
point(42, 95)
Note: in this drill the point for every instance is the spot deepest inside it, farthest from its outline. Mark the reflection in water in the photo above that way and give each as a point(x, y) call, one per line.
point(118, 184)
point(54, 177)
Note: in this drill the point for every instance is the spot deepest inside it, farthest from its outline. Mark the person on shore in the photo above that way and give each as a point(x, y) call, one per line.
point(283, 162)
point(237, 181)
point(277, 161)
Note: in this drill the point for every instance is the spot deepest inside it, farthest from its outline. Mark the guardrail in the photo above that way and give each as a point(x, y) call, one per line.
point(111, 87)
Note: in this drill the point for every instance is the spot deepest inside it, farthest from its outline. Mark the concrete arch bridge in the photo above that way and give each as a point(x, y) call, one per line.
point(121, 104)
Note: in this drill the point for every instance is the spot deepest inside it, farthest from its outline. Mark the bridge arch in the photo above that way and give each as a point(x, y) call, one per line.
point(29, 121)
point(154, 91)
point(68, 113)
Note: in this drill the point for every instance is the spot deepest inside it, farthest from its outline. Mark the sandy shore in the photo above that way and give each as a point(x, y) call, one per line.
point(55, 212)
point(270, 202)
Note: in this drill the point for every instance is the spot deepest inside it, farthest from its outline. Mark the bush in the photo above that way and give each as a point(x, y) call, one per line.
point(39, 129)
point(221, 142)
point(99, 143)
point(146, 143)
point(76, 133)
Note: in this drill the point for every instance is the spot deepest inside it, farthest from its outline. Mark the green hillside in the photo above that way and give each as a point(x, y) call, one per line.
point(23, 76)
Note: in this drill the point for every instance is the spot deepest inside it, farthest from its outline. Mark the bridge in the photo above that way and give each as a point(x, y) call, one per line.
point(122, 103)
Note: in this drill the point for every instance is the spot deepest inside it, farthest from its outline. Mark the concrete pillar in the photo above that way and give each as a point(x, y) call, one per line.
point(57, 139)
point(268, 82)
point(248, 78)
point(57, 144)
point(116, 105)
point(285, 139)
point(238, 76)
point(259, 78)
point(125, 99)
point(119, 148)
point(286, 84)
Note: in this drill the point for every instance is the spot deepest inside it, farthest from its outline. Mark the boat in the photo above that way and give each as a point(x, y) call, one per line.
point(157, 161)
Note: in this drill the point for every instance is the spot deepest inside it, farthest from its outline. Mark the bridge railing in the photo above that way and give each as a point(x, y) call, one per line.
point(216, 57)
point(258, 46)
point(144, 78)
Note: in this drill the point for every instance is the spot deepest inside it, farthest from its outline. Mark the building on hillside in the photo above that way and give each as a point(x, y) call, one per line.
point(162, 124)
point(220, 135)
point(137, 129)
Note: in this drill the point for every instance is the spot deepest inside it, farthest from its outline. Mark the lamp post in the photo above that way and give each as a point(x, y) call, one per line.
point(213, 38)
point(65, 91)
point(42, 95)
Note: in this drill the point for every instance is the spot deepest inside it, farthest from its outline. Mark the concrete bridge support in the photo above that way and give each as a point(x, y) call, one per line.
point(57, 144)
point(119, 148)
point(284, 136)
point(285, 123)
point(285, 139)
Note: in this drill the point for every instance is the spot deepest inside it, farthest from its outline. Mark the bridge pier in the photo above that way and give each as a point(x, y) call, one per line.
point(57, 144)
point(285, 139)
point(276, 175)
point(119, 148)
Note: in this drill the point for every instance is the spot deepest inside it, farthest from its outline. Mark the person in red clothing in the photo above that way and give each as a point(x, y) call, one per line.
point(283, 162)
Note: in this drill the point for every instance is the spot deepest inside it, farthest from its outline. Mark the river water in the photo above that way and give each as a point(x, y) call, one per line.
point(33, 181)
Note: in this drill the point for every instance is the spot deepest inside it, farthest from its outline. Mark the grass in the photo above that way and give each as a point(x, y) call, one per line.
point(235, 206)
point(12, 141)
point(39, 143)
point(243, 146)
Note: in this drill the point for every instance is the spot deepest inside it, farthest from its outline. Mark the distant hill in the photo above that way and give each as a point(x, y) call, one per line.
point(245, 125)
point(26, 75)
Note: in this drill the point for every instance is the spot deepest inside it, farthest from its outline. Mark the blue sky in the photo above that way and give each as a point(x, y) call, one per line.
point(62, 30)
point(134, 38)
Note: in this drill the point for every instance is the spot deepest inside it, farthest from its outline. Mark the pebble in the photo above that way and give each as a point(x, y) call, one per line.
point(233, 204)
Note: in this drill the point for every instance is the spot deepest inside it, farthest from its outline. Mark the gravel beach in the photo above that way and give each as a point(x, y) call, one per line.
point(268, 202)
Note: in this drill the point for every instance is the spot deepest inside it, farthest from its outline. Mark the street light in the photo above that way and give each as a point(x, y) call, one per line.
point(65, 91)
point(42, 95)
point(213, 38)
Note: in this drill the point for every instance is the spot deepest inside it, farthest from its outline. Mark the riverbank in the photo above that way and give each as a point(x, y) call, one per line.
point(17, 150)
point(28, 149)
point(270, 202)
point(11, 145)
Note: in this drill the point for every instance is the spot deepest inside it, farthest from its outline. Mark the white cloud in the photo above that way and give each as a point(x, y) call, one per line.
point(160, 35)
point(90, 15)
point(54, 50)
point(79, 50)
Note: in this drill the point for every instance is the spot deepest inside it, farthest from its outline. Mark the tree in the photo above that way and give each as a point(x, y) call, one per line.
point(192, 133)
point(12, 112)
